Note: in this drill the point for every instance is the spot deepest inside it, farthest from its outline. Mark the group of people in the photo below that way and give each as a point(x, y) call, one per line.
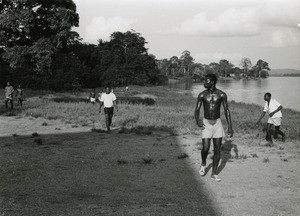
point(212, 99)
point(10, 93)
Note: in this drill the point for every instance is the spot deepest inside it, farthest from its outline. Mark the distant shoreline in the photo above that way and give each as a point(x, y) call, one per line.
point(285, 75)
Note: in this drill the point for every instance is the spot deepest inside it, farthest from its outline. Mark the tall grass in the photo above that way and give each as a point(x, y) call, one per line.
point(173, 112)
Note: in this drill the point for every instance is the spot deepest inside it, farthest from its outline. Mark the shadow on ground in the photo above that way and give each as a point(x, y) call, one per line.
point(96, 173)
point(228, 152)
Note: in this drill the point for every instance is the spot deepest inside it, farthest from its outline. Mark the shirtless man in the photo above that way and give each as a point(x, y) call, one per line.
point(212, 99)
point(20, 95)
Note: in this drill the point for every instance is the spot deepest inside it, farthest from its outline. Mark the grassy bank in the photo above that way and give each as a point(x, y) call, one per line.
point(172, 112)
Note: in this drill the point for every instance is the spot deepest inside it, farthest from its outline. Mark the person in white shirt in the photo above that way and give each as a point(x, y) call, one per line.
point(108, 100)
point(273, 107)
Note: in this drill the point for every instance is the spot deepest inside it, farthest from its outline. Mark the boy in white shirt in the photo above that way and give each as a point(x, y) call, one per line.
point(273, 107)
point(108, 99)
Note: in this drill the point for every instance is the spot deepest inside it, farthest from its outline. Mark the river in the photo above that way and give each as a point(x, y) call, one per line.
point(286, 90)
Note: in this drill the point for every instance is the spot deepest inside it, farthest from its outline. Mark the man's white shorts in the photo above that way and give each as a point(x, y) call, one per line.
point(213, 129)
point(275, 121)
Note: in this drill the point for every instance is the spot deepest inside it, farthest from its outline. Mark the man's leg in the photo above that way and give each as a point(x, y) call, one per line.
point(217, 154)
point(204, 153)
point(278, 131)
point(6, 101)
point(205, 150)
point(107, 121)
point(268, 136)
point(110, 118)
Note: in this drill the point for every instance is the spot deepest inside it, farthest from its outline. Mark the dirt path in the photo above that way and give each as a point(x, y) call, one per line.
point(73, 171)
point(28, 125)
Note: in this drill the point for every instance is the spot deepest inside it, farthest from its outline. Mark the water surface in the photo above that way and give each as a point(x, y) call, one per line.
point(286, 90)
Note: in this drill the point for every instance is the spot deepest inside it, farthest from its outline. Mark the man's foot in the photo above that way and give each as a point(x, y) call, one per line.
point(216, 178)
point(202, 170)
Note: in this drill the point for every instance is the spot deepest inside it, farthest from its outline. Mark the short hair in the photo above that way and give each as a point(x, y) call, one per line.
point(212, 77)
point(268, 94)
point(107, 87)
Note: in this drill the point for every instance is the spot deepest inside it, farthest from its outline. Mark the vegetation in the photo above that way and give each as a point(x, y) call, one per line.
point(39, 50)
point(172, 113)
point(184, 66)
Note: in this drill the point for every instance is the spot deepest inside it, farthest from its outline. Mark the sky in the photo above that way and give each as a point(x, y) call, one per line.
point(210, 29)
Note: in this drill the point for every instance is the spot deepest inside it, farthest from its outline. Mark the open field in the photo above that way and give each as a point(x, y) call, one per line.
point(173, 112)
point(55, 159)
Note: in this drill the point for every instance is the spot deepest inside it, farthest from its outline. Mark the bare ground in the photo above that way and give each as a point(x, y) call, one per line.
point(62, 169)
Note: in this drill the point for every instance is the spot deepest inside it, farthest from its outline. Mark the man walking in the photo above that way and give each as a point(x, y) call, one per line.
point(212, 99)
point(108, 99)
point(273, 107)
point(9, 91)
point(20, 95)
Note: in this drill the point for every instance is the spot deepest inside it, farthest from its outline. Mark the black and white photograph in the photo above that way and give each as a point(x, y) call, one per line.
point(149, 107)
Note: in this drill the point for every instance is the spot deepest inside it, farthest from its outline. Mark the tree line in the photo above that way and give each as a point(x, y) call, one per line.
point(185, 66)
point(39, 50)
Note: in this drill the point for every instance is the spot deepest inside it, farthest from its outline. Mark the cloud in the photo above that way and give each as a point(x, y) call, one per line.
point(102, 28)
point(287, 38)
point(280, 13)
point(242, 21)
point(231, 22)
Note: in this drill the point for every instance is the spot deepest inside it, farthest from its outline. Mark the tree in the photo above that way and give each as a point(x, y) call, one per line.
point(67, 71)
point(32, 31)
point(264, 73)
point(246, 64)
point(259, 67)
point(224, 68)
point(4, 70)
point(175, 65)
point(213, 67)
point(237, 72)
point(186, 61)
point(164, 66)
point(124, 60)
point(197, 71)
point(129, 42)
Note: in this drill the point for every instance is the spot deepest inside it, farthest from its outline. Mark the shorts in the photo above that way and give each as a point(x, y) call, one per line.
point(212, 129)
point(275, 121)
point(109, 110)
point(93, 100)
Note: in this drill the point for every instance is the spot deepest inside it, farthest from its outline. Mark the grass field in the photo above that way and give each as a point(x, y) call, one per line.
point(172, 112)
point(49, 167)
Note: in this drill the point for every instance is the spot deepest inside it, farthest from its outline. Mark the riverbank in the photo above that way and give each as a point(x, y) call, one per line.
point(57, 160)
point(173, 112)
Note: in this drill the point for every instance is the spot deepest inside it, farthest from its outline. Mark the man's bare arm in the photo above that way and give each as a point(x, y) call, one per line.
point(100, 106)
point(260, 118)
point(197, 112)
point(227, 115)
point(115, 104)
